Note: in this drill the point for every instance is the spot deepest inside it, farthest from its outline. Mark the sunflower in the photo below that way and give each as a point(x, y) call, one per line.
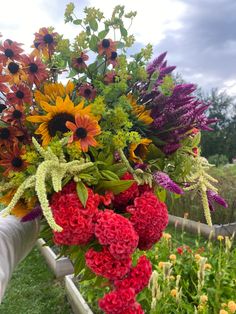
point(20, 95)
point(84, 130)
point(106, 46)
point(35, 69)
point(16, 73)
point(140, 112)
point(138, 152)
point(113, 58)
point(87, 91)
point(45, 40)
point(78, 62)
point(12, 160)
point(10, 50)
point(56, 117)
point(9, 135)
point(53, 90)
point(14, 115)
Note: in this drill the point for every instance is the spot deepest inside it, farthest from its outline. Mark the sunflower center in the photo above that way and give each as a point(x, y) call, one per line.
point(106, 43)
point(20, 94)
point(48, 39)
point(9, 53)
point(58, 123)
point(4, 133)
point(81, 133)
point(17, 162)
point(13, 67)
point(17, 114)
point(33, 67)
point(2, 107)
point(79, 60)
point(87, 92)
point(113, 55)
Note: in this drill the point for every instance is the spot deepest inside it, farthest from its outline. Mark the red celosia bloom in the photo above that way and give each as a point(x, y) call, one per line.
point(149, 217)
point(144, 188)
point(79, 62)
point(134, 309)
point(14, 115)
point(87, 91)
point(139, 276)
point(35, 69)
point(113, 58)
point(118, 301)
point(12, 159)
point(21, 95)
point(3, 79)
point(76, 220)
point(105, 265)
point(107, 198)
point(8, 135)
point(117, 233)
point(126, 198)
point(10, 50)
point(45, 40)
point(180, 250)
point(106, 46)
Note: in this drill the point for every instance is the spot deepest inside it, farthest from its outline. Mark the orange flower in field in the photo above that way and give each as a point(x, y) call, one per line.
point(84, 130)
point(10, 50)
point(12, 160)
point(107, 47)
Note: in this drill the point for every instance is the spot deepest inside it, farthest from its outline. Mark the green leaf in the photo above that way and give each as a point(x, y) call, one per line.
point(161, 194)
point(82, 192)
point(120, 45)
point(109, 175)
point(93, 24)
point(123, 31)
point(3, 124)
point(93, 43)
point(116, 186)
point(77, 22)
point(103, 34)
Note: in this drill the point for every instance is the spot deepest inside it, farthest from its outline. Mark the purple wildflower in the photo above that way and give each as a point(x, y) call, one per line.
point(35, 213)
point(165, 181)
point(214, 197)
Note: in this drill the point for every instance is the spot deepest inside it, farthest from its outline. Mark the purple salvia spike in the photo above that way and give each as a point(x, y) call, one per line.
point(165, 181)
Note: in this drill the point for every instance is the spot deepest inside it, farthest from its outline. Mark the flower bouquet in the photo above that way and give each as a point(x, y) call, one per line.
point(95, 154)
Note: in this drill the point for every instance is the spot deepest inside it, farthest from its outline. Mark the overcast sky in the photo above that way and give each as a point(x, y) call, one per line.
point(199, 35)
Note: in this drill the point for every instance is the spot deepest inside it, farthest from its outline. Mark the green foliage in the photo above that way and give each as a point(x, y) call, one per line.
point(218, 160)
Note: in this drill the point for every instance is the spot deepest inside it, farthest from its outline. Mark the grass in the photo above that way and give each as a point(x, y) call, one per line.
point(34, 290)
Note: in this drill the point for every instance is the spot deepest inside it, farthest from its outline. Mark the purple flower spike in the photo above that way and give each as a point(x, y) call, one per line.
point(165, 181)
point(213, 196)
point(36, 212)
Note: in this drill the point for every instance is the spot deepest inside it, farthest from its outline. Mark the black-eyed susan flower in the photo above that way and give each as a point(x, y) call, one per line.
point(10, 50)
point(138, 151)
point(20, 95)
point(140, 111)
point(78, 62)
point(84, 130)
point(35, 69)
point(106, 47)
point(57, 116)
point(87, 91)
point(11, 159)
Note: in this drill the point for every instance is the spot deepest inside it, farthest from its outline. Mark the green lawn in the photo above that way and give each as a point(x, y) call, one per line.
point(34, 290)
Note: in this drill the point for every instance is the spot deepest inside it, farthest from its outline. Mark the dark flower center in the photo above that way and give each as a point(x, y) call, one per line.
point(106, 43)
point(21, 138)
point(81, 133)
point(2, 107)
point(33, 67)
point(17, 162)
point(113, 55)
point(58, 123)
point(36, 44)
point(4, 134)
point(20, 94)
point(80, 60)
point(13, 67)
point(9, 53)
point(17, 114)
point(87, 92)
point(48, 39)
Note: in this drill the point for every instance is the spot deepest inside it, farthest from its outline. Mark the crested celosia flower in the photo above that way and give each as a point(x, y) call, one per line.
point(214, 197)
point(149, 217)
point(117, 233)
point(134, 309)
point(118, 301)
point(126, 197)
point(139, 276)
point(162, 179)
point(75, 219)
point(105, 265)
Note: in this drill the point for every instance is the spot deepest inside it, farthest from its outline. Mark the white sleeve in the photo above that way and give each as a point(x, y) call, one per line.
point(16, 241)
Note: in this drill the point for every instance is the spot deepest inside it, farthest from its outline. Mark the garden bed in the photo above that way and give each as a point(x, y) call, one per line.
point(59, 266)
